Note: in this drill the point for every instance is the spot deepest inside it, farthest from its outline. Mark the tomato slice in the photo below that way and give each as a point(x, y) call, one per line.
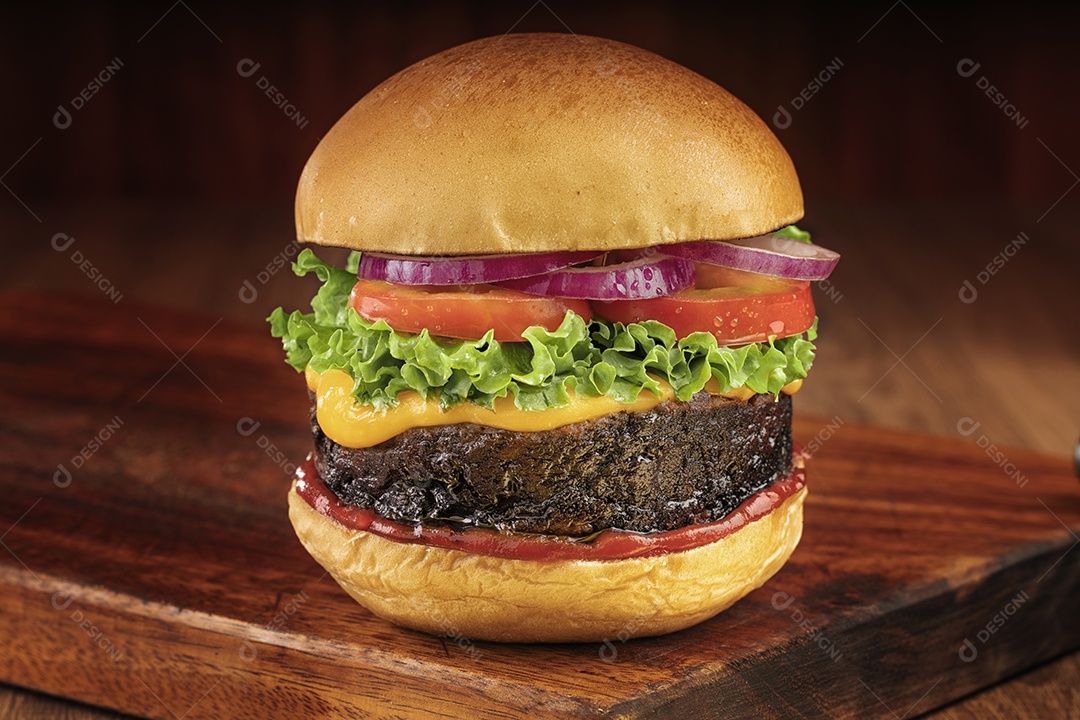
point(461, 311)
point(736, 306)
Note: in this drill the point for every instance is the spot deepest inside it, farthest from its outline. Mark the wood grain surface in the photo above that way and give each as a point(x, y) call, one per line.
point(1007, 362)
point(157, 574)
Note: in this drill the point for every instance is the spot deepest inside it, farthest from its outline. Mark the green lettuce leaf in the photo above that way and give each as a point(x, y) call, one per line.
point(792, 233)
point(590, 359)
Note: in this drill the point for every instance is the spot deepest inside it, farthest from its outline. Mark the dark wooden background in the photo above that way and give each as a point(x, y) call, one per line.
point(177, 120)
point(176, 181)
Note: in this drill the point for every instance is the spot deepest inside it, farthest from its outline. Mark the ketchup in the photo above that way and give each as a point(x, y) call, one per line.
point(607, 545)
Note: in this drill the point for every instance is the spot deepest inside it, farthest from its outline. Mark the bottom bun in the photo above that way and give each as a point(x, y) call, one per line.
point(480, 597)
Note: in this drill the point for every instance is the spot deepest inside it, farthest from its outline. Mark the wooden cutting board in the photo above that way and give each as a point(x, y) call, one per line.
point(149, 565)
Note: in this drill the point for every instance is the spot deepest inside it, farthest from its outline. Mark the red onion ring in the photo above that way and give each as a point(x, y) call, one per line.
point(464, 269)
point(765, 254)
point(655, 275)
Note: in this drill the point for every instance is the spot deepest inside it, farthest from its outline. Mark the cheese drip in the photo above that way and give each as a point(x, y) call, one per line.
point(357, 426)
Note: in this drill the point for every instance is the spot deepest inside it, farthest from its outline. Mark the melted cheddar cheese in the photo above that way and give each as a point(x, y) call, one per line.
point(358, 426)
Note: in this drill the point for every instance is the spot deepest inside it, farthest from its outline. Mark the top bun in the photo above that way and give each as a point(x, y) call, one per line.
point(540, 142)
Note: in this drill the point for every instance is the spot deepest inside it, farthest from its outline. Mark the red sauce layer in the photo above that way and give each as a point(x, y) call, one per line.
point(607, 545)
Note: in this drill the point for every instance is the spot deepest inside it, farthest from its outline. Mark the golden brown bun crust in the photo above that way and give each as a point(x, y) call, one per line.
point(451, 592)
point(538, 142)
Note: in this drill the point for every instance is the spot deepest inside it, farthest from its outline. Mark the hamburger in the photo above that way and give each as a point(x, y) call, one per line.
point(551, 386)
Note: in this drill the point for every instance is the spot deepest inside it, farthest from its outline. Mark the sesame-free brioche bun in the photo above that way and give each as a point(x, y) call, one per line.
point(543, 142)
point(481, 597)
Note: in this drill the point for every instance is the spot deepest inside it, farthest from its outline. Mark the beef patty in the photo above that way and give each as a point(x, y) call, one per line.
point(678, 464)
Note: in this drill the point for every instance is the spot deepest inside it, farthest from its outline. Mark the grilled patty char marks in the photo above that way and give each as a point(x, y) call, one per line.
point(678, 464)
